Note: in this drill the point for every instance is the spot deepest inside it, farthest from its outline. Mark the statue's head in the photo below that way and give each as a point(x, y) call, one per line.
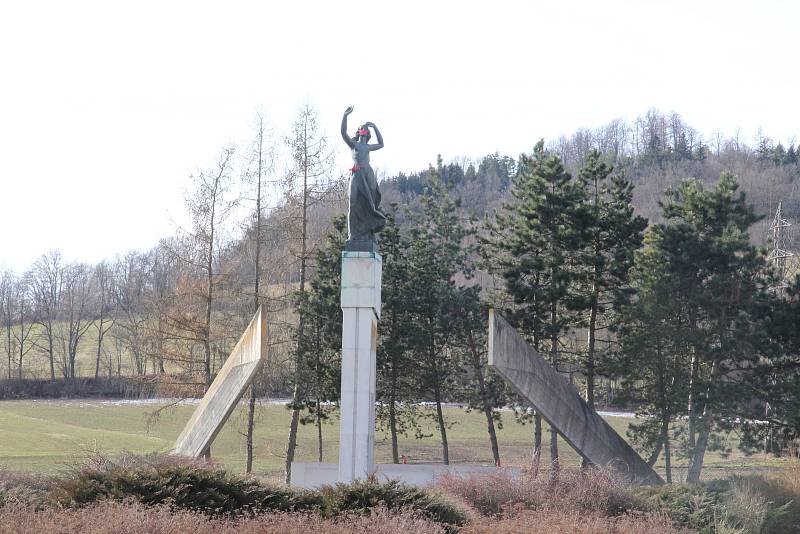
point(362, 134)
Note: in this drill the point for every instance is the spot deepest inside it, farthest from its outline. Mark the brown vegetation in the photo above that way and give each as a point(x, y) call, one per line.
point(129, 518)
point(592, 490)
point(574, 522)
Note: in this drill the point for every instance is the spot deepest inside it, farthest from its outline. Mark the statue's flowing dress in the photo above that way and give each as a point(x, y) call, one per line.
point(365, 217)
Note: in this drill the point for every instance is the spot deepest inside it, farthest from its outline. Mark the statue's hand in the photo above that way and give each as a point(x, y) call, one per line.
point(349, 110)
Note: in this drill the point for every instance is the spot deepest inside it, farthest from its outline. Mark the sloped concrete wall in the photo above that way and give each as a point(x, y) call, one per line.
point(560, 404)
point(225, 391)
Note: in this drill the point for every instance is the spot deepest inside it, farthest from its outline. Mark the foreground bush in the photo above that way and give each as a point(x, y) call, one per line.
point(185, 496)
point(135, 518)
point(179, 484)
point(738, 505)
point(572, 522)
point(19, 488)
point(735, 505)
point(200, 487)
point(362, 496)
point(592, 490)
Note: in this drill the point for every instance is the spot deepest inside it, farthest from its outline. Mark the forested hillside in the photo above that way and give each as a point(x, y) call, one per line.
point(655, 152)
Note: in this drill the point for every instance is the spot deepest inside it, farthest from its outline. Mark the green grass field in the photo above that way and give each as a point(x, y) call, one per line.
point(48, 436)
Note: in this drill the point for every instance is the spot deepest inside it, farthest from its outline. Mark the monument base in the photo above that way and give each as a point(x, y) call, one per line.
point(361, 245)
point(310, 475)
point(361, 308)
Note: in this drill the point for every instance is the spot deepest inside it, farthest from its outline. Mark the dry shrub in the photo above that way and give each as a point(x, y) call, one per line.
point(745, 507)
point(24, 488)
point(772, 498)
point(181, 484)
point(361, 496)
point(131, 518)
point(97, 461)
point(201, 487)
point(573, 522)
point(592, 490)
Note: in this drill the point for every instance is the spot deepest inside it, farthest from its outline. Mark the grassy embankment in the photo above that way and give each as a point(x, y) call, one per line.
point(44, 436)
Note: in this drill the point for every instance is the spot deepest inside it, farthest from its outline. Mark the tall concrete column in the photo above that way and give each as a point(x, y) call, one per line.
point(361, 307)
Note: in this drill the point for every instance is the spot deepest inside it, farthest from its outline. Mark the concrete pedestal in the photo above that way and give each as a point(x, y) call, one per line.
point(361, 307)
point(312, 475)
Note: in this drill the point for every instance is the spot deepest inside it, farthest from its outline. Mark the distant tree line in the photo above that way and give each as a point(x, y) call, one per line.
point(676, 319)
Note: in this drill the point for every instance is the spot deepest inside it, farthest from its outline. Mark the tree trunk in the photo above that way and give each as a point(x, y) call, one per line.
point(653, 458)
point(554, 449)
point(593, 310)
point(292, 442)
point(590, 350)
point(9, 349)
point(319, 428)
point(554, 361)
point(251, 406)
point(442, 429)
point(696, 463)
point(487, 409)
point(160, 345)
point(51, 354)
point(251, 410)
point(537, 441)
point(693, 377)
point(661, 406)
point(667, 460)
point(21, 354)
point(393, 426)
point(99, 348)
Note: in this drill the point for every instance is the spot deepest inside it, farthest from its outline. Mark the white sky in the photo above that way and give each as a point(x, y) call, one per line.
point(107, 107)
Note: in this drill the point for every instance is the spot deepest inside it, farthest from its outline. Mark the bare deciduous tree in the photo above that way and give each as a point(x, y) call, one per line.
point(104, 320)
point(46, 282)
point(306, 181)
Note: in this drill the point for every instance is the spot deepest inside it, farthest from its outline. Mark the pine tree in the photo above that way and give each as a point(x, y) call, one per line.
point(651, 356)
point(318, 351)
point(398, 411)
point(536, 239)
point(779, 155)
point(484, 391)
point(613, 233)
point(705, 243)
point(791, 155)
point(436, 256)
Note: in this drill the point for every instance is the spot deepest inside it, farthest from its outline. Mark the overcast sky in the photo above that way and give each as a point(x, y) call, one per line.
point(107, 107)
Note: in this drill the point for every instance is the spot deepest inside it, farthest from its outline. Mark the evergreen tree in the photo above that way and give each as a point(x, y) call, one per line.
point(535, 239)
point(651, 356)
point(318, 351)
point(705, 244)
point(775, 380)
point(791, 155)
point(613, 233)
point(398, 411)
point(436, 256)
point(483, 391)
point(779, 155)
point(765, 148)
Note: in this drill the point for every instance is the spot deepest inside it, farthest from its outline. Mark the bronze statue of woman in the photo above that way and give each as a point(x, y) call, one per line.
point(364, 218)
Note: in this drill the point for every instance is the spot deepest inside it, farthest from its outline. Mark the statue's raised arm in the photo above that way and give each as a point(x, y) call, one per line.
point(346, 138)
point(379, 144)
